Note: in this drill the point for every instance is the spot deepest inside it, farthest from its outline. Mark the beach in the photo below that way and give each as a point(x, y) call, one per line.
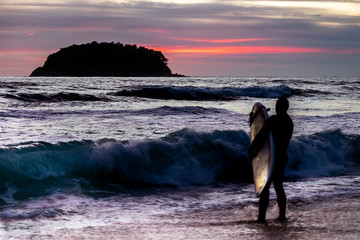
point(337, 217)
point(328, 218)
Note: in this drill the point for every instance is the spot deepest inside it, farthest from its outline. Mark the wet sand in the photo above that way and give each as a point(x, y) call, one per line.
point(326, 218)
point(335, 217)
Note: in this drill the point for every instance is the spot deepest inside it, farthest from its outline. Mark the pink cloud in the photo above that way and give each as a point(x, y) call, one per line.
point(223, 40)
point(20, 62)
point(154, 30)
point(252, 50)
point(29, 33)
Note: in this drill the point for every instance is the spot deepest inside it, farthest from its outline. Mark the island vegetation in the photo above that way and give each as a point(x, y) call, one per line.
point(105, 59)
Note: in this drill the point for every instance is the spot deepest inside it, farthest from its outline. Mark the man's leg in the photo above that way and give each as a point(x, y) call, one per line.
point(263, 204)
point(281, 198)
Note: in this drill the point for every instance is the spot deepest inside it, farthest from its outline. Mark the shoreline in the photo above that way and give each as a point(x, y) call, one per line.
point(336, 217)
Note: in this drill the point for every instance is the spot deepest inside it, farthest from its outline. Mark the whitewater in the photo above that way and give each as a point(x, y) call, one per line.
point(160, 158)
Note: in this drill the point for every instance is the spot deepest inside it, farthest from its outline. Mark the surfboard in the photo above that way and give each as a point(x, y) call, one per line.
point(263, 160)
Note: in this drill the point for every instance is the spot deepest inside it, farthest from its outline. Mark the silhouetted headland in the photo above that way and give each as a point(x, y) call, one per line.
point(105, 59)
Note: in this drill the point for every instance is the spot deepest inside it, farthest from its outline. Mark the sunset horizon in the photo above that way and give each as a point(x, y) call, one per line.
point(200, 38)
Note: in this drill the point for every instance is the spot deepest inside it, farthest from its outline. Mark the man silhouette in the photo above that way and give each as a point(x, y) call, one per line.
point(282, 127)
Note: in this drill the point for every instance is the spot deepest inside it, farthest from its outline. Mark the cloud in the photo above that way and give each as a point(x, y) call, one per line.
point(222, 40)
point(184, 27)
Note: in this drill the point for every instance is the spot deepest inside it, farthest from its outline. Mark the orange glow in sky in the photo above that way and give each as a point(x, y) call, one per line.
point(250, 50)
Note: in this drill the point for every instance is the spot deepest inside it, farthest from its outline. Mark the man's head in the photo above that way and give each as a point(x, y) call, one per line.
point(282, 105)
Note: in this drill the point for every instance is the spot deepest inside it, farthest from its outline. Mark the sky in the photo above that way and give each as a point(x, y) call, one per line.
point(199, 37)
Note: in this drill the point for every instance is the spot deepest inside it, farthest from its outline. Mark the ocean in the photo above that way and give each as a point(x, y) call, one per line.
point(165, 158)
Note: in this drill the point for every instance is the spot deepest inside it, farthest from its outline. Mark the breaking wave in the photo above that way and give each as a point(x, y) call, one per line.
point(207, 94)
point(184, 157)
point(169, 93)
point(58, 97)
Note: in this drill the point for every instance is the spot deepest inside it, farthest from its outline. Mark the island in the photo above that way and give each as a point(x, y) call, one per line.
point(105, 59)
